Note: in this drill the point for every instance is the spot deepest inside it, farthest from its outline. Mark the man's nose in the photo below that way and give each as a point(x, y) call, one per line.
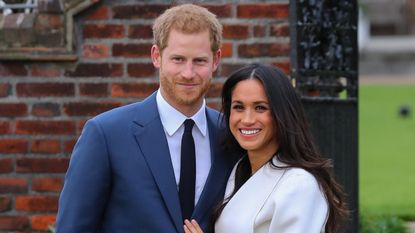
point(188, 70)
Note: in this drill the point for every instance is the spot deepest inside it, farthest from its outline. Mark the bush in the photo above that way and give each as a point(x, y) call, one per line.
point(381, 224)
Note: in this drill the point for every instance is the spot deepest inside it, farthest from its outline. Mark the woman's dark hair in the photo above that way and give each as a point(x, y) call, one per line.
point(296, 145)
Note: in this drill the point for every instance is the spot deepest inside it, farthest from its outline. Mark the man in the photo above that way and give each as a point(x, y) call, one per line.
point(126, 170)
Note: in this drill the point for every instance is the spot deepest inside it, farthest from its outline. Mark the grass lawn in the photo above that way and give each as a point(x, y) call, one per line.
point(386, 150)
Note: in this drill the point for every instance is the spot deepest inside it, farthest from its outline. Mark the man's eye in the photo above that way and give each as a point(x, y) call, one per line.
point(200, 61)
point(177, 59)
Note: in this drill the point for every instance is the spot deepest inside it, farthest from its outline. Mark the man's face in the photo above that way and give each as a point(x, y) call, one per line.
point(186, 66)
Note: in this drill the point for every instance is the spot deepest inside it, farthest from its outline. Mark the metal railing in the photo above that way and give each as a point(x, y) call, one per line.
point(26, 7)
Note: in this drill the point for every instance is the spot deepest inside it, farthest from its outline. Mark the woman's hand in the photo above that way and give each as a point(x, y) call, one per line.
point(192, 227)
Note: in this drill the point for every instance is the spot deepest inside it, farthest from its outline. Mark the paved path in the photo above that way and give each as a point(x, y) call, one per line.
point(387, 79)
point(411, 227)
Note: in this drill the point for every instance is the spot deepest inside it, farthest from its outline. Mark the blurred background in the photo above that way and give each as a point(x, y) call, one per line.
point(46, 98)
point(386, 115)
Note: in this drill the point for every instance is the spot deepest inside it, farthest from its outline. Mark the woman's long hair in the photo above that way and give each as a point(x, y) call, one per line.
point(296, 144)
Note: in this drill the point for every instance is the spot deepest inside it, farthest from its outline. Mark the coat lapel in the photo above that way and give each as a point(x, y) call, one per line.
point(152, 141)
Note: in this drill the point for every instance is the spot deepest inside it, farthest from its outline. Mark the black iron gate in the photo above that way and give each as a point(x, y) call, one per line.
point(324, 58)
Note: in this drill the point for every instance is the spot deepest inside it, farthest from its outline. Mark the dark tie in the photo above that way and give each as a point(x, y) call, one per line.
point(187, 171)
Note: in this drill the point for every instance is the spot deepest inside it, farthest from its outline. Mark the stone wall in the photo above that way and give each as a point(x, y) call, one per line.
point(44, 101)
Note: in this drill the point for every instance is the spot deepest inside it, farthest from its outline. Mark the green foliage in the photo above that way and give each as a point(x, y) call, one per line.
point(381, 224)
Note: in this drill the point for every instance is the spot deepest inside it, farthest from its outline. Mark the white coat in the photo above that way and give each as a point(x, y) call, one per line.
point(274, 200)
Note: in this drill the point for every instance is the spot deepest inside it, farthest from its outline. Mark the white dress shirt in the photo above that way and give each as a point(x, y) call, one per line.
point(172, 121)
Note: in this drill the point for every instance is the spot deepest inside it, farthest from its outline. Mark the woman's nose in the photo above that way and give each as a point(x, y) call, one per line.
point(248, 117)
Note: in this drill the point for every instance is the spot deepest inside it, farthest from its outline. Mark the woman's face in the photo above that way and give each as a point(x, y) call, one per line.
point(251, 121)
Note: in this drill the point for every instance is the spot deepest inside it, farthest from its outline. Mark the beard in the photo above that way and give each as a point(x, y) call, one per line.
point(177, 95)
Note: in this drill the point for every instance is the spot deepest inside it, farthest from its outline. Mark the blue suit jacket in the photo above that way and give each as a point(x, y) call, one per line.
point(120, 177)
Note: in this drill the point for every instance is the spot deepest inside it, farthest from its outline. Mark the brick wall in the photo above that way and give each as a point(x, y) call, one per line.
point(44, 105)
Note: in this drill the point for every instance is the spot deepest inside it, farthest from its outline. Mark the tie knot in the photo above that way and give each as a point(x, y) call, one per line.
point(188, 125)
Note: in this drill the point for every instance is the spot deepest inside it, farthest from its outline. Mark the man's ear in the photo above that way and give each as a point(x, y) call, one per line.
point(156, 56)
point(216, 59)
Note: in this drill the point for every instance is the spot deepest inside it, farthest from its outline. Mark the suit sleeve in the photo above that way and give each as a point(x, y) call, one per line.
point(87, 183)
point(301, 208)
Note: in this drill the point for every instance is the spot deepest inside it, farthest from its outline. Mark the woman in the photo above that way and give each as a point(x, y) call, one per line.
point(281, 184)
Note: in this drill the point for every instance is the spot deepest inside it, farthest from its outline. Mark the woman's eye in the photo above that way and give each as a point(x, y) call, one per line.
point(237, 107)
point(261, 108)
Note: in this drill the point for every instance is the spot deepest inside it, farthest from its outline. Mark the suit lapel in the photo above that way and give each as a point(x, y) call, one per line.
point(152, 141)
point(218, 173)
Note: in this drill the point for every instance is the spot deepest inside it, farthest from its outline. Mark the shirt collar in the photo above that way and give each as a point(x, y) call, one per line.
point(172, 119)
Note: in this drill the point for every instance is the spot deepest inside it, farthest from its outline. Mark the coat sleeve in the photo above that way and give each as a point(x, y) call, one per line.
point(302, 207)
point(87, 183)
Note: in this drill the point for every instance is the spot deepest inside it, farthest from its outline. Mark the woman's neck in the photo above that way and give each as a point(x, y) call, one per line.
point(258, 159)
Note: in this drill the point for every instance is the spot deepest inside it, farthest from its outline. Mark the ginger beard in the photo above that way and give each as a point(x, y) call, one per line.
point(182, 91)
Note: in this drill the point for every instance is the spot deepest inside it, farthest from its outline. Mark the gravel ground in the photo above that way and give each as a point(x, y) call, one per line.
point(411, 227)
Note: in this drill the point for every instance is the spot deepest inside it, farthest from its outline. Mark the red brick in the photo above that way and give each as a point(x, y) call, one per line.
point(281, 29)
point(13, 109)
point(139, 90)
point(36, 203)
point(6, 165)
point(5, 89)
point(103, 31)
point(95, 51)
point(221, 11)
point(42, 165)
point(13, 146)
point(45, 89)
point(45, 71)
point(235, 31)
point(96, 70)
point(45, 109)
point(12, 69)
point(5, 127)
point(5, 203)
point(140, 32)
point(215, 104)
point(14, 223)
point(141, 70)
point(227, 69)
point(263, 10)
point(49, 7)
point(98, 13)
point(226, 50)
point(45, 127)
point(49, 22)
point(81, 125)
point(46, 146)
point(259, 30)
point(88, 109)
point(263, 50)
point(146, 11)
point(69, 145)
point(47, 184)
point(13, 185)
point(215, 89)
point(131, 50)
point(93, 89)
point(284, 66)
point(42, 222)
